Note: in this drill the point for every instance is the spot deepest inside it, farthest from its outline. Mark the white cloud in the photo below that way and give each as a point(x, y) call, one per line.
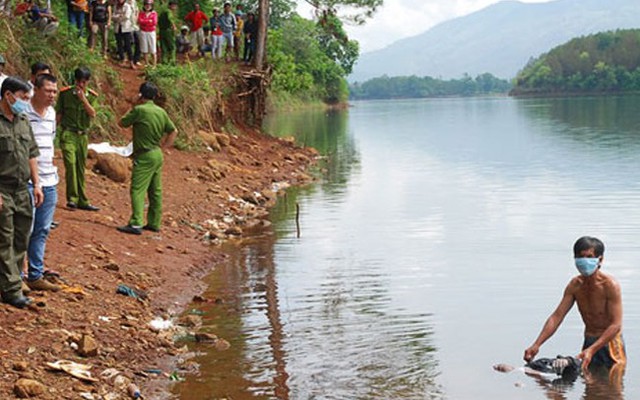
point(398, 19)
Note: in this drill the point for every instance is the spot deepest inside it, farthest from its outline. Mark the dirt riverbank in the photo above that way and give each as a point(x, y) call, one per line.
point(208, 197)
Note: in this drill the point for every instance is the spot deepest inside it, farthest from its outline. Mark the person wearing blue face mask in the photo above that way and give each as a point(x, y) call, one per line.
point(18, 164)
point(600, 304)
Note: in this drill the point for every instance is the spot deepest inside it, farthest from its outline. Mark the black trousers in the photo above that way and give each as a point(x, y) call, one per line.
point(123, 43)
point(136, 46)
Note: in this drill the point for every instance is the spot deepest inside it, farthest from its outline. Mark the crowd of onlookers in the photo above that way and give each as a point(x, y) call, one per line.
point(141, 31)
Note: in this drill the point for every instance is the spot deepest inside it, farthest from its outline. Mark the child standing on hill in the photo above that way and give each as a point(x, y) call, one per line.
point(216, 35)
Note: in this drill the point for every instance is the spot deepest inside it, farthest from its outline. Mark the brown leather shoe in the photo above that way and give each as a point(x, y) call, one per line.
point(43, 284)
point(25, 289)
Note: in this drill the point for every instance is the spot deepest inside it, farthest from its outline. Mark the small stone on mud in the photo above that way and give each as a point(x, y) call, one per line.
point(222, 345)
point(191, 321)
point(111, 266)
point(206, 337)
point(25, 388)
point(87, 347)
point(79, 387)
point(20, 366)
point(199, 299)
point(234, 230)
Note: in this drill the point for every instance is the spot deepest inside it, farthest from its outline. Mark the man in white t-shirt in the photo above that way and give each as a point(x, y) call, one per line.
point(42, 118)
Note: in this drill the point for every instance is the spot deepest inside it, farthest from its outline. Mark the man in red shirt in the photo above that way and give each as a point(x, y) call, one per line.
point(195, 19)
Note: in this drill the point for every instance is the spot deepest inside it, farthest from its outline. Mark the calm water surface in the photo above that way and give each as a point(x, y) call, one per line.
point(436, 244)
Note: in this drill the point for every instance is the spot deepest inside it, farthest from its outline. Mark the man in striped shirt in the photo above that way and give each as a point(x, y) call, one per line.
point(42, 118)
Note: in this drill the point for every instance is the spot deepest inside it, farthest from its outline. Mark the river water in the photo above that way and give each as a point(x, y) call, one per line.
point(435, 245)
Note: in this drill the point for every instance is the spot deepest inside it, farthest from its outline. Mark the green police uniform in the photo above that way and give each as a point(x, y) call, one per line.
point(17, 146)
point(150, 123)
point(166, 24)
point(74, 139)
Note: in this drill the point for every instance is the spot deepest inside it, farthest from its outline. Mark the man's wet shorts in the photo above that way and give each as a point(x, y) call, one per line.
point(610, 354)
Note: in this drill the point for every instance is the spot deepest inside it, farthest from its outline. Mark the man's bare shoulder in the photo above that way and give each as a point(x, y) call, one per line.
point(574, 284)
point(610, 283)
point(604, 280)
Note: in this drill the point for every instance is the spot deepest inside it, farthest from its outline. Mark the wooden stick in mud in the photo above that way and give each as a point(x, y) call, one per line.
point(298, 219)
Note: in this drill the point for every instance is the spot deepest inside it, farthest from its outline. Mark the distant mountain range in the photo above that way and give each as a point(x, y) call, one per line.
point(499, 39)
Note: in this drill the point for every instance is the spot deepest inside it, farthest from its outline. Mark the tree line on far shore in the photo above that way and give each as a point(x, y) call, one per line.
point(413, 87)
point(605, 62)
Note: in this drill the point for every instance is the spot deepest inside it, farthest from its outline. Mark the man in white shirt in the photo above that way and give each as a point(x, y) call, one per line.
point(42, 118)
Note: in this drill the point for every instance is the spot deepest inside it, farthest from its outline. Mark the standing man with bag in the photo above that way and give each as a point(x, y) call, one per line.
point(18, 163)
point(152, 132)
point(75, 109)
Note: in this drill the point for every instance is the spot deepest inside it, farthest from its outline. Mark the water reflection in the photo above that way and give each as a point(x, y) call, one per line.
point(599, 384)
point(603, 384)
point(593, 124)
point(329, 329)
point(435, 247)
point(327, 132)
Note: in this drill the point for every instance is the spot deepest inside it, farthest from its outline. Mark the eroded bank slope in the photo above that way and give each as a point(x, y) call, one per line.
point(208, 196)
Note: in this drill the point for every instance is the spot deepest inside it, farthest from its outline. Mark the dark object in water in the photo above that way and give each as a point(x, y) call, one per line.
point(566, 367)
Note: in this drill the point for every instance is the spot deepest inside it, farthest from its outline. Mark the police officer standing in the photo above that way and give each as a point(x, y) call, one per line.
point(75, 108)
point(152, 131)
point(18, 163)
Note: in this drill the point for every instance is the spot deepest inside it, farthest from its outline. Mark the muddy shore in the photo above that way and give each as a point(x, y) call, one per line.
point(209, 197)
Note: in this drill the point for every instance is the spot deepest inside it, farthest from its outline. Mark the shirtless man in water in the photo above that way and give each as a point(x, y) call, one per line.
point(600, 305)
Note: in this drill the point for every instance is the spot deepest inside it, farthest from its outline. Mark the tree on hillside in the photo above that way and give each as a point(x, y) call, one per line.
point(263, 21)
point(356, 11)
point(279, 10)
point(302, 64)
point(602, 62)
point(330, 14)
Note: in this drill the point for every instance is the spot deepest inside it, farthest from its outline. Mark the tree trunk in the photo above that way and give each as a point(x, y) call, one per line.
point(263, 21)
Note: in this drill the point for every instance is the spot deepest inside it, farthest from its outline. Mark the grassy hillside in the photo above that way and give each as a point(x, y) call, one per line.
point(194, 94)
point(22, 46)
point(599, 63)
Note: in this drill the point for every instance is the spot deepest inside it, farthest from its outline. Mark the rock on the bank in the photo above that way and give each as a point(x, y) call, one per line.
point(115, 167)
point(233, 231)
point(222, 345)
point(25, 388)
point(216, 141)
point(20, 366)
point(203, 337)
point(87, 346)
point(191, 321)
